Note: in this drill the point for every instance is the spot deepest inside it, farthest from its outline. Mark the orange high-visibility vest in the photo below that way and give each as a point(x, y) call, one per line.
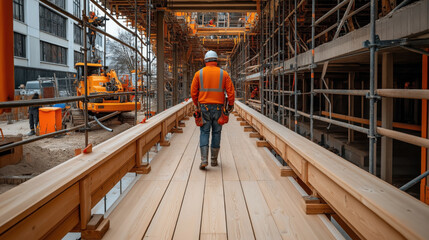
point(209, 85)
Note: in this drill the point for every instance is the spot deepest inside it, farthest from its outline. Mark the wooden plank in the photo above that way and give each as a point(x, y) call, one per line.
point(213, 218)
point(263, 144)
point(284, 200)
point(244, 124)
point(164, 221)
point(237, 217)
point(184, 169)
point(229, 171)
point(263, 223)
point(131, 222)
point(189, 222)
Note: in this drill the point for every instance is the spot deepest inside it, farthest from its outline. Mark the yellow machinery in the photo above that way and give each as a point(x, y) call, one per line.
point(101, 82)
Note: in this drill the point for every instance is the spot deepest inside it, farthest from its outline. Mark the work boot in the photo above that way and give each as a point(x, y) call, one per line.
point(215, 153)
point(31, 133)
point(204, 157)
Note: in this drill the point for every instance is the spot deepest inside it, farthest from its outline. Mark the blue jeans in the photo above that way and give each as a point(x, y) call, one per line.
point(210, 114)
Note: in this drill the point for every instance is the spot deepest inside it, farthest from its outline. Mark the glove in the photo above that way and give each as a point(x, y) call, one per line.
point(230, 108)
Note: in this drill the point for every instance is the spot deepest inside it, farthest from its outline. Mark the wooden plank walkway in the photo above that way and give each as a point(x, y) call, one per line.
point(243, 198)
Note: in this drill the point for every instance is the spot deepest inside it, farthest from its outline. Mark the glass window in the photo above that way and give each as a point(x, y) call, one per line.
point(59, 3)
point(52, 22)
point(77, 34)
point(53, 53)
point(19, 45)
point(18, 10)
point(76, 8)
point(78, 57)
point(99, 40)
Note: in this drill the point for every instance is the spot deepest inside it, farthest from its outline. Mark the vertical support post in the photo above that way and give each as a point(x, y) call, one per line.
point(387, 118)
point(7, 85)
point(424, 189)
point(136, 87)
point(85, 70)
point(371, 134)
point(295, 79)
point(313, 19)
point(149, 59)
point(85, 202)
point(350, 100)
point(175, 75)
point(160, 61)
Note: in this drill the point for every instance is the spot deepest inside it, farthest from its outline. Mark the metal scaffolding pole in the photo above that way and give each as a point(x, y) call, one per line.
point(149, 61)
point(160, 61)
point(85, 70)
point(371, 135)
point(278, 61)
point(296, 69)
point(136, 67)
point(261, 60)
point(313, 19)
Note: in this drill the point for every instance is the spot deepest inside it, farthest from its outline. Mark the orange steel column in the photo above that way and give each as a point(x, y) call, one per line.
point(424, 189)
point(7, 82)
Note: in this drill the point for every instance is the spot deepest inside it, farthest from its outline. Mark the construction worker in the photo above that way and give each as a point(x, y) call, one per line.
point(33, 116)
point(208, 94)
point(95, 22)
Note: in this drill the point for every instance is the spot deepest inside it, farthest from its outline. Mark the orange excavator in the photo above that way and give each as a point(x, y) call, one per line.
point(101, 82)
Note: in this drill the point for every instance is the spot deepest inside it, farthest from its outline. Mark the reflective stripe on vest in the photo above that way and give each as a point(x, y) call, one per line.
point(219, 89)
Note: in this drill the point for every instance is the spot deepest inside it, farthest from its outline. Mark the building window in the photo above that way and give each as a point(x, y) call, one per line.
point(18, 10)
point(53, 53)
point(99, 40)
point(77, 34)
point(78, 57)
point(76, 8)
point(59, 3)
point(19, 45)
point(52, 22)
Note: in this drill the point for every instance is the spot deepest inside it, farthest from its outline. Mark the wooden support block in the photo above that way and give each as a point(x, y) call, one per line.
point(240, 119)
point(249, 129)
point(77, 151)
point(181, 124)
point(176, 130)
point(244, 124)
point(254, 135)
point(143, 169)
point(186, 118)
point(318, 208)
point(98, 233)
point(164, 143)
point(95, 221)
point(263, 144)
point(311, 199)
point(286, 171)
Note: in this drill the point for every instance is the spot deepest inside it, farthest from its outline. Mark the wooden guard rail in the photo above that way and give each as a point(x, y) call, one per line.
point(60, 199)
point(372, 208)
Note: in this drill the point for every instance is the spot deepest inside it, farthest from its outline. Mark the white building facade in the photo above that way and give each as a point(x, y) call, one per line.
point(45, 41)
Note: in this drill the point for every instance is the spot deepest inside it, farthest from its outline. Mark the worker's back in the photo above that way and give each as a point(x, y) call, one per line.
point(210, 83)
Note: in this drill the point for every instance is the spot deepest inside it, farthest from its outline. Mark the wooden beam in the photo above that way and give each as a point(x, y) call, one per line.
point(334, 179)
point(317, 208)
point(249, 129)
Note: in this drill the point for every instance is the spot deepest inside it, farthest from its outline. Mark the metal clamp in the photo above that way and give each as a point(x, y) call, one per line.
point(375, 96)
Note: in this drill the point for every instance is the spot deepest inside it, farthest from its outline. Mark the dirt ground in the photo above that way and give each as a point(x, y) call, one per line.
point(44, 154)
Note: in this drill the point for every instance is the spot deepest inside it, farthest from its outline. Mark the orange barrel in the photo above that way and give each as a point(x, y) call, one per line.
point(7, 83)
point(50, 119)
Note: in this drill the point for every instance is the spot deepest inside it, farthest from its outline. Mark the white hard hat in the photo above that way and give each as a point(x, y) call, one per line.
point(210, 56)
